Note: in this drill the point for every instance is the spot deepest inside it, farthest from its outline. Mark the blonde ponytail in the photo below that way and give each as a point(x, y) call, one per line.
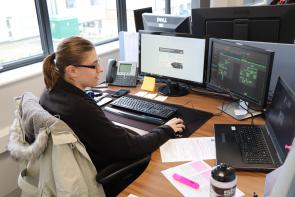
point(50, 72)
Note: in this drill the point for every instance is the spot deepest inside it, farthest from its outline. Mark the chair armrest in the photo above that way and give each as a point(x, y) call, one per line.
point(121, 169)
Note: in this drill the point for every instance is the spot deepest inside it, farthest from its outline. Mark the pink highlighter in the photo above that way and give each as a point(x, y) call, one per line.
point(185, 181)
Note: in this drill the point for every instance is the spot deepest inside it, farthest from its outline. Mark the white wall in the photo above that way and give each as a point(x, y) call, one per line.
point(35, 84)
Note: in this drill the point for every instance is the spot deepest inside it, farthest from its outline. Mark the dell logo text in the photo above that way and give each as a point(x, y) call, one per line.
point(161, 20)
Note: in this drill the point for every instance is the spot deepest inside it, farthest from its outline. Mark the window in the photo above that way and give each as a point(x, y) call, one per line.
point(95, 21)
point(181, 7)
point(70, 3)
point(94, 2)
point(19, 32)
point(157, 5)
point(231, 3)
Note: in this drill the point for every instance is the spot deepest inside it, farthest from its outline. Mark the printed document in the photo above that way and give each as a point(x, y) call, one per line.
point(188, 149)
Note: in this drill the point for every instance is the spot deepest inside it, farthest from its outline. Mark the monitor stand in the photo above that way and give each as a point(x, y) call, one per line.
point(172, 89)
point(235, 110)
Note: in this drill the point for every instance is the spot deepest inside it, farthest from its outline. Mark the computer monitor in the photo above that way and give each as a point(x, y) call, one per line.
point(138, 17)
point(254, 23)
point(283, 62)
point(176, 58)
point(166, 23)
point(241, 71)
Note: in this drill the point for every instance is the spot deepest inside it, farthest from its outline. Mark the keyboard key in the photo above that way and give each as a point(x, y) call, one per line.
point(253, 146)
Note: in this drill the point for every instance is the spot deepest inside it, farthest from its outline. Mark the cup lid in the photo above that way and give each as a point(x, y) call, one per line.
point(223, 173)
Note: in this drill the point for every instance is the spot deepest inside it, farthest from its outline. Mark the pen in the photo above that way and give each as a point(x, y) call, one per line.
point(185, 181)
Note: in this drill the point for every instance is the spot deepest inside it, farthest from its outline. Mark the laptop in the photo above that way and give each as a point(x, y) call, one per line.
point(260, 147)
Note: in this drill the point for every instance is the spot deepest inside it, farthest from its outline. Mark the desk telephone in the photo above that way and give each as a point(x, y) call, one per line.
point(121, 73)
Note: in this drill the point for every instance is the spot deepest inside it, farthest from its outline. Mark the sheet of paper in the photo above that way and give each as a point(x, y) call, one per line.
point(141, 93)
point(188, 149)
point(150, 96)
point(197, 171)
point(161, 98)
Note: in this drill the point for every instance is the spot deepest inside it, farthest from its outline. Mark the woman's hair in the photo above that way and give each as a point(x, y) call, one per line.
point(71, 51)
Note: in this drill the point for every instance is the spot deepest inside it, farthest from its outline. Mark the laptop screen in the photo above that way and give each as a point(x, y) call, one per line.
point(280, 117)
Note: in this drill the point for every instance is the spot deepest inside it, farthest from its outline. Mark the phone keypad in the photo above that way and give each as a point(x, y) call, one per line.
point(128, 81)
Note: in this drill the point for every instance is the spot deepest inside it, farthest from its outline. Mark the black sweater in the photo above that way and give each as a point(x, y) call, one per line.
point(105, 142)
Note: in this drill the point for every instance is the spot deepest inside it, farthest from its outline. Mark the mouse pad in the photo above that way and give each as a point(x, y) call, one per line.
point(193, 119)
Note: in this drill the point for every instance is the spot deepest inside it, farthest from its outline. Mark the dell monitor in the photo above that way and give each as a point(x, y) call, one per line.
point(254, 23)
point(138, 17)
point(175, 58)
point(241, 71)
point(166, 23)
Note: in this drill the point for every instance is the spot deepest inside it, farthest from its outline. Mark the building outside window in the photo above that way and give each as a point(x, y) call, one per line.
point(181, 7)
point(19, 32)
point(70, 3)
point(94, 20)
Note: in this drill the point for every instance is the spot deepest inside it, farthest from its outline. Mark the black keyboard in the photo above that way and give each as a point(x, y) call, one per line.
point(144, 106)
point(253, 145)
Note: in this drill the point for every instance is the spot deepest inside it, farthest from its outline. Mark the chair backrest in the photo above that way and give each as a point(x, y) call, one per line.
point(48, 149)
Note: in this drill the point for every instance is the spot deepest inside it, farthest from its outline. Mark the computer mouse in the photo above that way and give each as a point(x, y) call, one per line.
point(180, 134)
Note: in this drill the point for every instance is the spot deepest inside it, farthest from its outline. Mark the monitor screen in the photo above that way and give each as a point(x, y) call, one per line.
point(240, 70)
point(138, 17)
point(178, 58)
point(282, 62)
point(125, 68)
point(254, 23)
point(166, 23)
point(280, 116)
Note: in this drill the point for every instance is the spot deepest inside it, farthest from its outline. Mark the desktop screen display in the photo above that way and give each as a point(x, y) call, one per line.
point(166, 23)
point(283, 62)
point(240, 70)
point(168, 56)
point(254, 23)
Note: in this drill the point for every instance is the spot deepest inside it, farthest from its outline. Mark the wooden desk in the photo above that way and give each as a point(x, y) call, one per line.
point(153, 183)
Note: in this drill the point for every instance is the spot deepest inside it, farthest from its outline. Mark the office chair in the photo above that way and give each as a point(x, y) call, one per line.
point(118, 176)
point(47, 149)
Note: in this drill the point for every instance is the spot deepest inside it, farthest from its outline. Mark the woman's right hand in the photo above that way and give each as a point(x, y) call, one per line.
point(176, 124)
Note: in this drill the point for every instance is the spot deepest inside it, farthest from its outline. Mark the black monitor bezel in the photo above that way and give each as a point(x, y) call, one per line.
point(188, 82)
point(253, 103)
point(138, 17)
point(284, 13)
point(186, 22)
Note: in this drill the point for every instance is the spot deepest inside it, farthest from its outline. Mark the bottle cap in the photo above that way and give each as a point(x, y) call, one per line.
point(223, 173)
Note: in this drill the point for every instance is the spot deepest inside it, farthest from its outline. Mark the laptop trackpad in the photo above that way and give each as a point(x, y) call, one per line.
point(228, 150)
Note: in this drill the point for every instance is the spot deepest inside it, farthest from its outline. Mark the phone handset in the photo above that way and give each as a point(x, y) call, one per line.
point(112, 70)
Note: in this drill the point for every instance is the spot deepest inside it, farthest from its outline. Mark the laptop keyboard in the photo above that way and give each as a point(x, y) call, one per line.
point(253, 146)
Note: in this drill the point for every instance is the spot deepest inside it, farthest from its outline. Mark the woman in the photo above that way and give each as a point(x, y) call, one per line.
point(67, 73)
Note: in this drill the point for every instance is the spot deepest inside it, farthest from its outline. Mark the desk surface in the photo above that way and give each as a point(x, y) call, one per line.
point(153, 183)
